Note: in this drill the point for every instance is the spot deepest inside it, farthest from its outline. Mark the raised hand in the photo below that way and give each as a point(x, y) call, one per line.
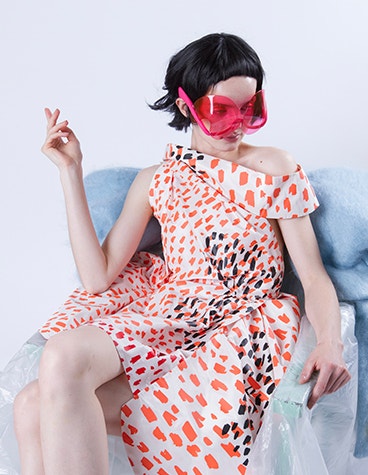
point(61, 145)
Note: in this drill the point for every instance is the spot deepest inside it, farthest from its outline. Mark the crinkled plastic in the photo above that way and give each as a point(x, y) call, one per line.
point(294, 440)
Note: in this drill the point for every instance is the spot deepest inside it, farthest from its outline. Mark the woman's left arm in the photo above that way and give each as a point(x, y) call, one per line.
point(321, 306)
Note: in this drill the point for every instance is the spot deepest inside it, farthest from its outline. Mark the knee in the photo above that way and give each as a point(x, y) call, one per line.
point(26, 408)
point(63, 364)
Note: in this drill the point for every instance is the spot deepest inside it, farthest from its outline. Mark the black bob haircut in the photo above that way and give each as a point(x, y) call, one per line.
point(202, 64)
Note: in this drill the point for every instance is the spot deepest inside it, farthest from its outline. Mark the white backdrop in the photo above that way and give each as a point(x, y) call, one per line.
point(100, 62)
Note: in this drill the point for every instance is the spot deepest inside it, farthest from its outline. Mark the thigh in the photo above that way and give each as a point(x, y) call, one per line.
point(112, 395)
point(86, 350)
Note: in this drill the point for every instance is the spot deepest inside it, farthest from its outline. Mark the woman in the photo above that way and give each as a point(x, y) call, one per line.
point(194, 347)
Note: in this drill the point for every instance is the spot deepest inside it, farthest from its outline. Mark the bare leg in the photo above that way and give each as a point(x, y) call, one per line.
point(72, 420)
point(112, 395)
point(27, 419)
point(27, 429)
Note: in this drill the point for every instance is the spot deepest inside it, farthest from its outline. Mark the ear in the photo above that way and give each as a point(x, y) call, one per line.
point(182, 107)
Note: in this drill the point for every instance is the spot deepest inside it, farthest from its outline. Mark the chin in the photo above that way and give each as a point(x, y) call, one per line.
point(211, 145)
point(231, 141)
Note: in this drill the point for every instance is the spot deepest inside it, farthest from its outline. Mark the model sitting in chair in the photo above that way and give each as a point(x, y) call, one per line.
point(185, 364)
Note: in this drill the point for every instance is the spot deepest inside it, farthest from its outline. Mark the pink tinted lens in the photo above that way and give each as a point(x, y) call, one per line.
point(220, 115)
point(255, 115)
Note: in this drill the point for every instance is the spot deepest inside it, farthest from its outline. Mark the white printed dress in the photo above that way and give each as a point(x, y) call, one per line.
point(204, 336)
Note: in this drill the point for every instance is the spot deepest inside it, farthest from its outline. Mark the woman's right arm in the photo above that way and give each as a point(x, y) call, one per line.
point(98, 266)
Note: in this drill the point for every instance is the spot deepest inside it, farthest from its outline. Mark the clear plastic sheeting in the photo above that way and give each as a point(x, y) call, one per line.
point(21, 370)
point(294, 440)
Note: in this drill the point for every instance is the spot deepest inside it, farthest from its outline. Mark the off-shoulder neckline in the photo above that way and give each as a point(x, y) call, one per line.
point(183, 150)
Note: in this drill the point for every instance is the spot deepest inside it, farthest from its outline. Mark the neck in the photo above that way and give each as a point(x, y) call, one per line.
point(230, 151)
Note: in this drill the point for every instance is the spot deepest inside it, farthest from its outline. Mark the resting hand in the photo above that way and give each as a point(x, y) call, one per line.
point(61, 145)
point(327, 360)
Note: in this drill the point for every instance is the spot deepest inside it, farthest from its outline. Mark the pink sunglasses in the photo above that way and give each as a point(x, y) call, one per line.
point(219, 116)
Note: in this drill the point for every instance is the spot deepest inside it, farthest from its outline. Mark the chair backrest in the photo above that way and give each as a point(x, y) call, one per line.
point(106, 191)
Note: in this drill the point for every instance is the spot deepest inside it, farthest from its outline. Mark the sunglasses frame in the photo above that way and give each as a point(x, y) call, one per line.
point(247, 128)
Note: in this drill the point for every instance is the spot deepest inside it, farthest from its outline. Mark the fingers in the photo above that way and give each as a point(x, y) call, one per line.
point(307, 372)
point(53, 139)
point(328, 381)
point(60, 126)
point(51, 117)
point(48, 113)
point(318, 389)
point(53, 126)
point(58, 129)
point(70, 134)
point(341, 377)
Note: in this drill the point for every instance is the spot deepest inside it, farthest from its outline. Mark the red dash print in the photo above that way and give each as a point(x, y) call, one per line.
point(253, 383)
point(146, 463)
point(211, 461)
point(219, 368)
point(149, 414)
point(161, 396)
point(169, 418)
point(126, 410)
point(166, 454)
point(276, 192)
point(133, 430)
point(225, 406)
point(280, 333)
point(203, 364)
point(159, 434)
point(142, 447)
point(277, 303)
point(177, 440)
point(287, 204)
point(269, 180)
point(200, 398)
point(293, 189)
point(179, 471)
point(249, 197)
point(184, 396)
point(216, 384)
point(194, 450)
point(194, 379)
point(243, 178)
point(189, 431)
point(198, 418)
point(229, 448)
point(127, 439)
point(284, 318)
point(207, 441)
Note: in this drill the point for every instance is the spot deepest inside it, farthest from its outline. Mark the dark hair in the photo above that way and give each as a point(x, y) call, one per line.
point(202, 64)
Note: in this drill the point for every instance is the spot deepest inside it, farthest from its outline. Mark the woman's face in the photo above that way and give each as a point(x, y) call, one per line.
point(240, 89)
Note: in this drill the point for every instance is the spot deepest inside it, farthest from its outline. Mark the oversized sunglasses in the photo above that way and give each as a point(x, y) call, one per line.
point(219, 116)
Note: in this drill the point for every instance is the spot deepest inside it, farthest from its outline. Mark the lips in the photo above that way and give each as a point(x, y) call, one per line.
point(233, 137)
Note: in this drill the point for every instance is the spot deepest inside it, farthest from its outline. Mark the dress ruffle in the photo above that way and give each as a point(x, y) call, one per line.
point(273, 197)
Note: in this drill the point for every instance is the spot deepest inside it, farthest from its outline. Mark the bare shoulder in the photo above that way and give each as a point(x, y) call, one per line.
point(270, 160)
point(142, 182)
point(147, 173)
